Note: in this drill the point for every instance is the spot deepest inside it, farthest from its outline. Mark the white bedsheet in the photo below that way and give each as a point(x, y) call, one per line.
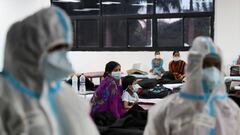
point(88, 94)
point(172, 86)
point(153, 100)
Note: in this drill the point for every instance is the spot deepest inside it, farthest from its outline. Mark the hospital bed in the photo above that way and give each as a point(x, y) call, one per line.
point(144, 103)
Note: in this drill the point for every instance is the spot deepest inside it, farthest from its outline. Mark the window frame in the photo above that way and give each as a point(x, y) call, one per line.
point(154, 18)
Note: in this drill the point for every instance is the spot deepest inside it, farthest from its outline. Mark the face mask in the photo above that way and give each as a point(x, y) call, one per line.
point(135, 87)
point(176, 58)
point(56, 66)
point(212, 77)
point(116, 75)
point(157, 56)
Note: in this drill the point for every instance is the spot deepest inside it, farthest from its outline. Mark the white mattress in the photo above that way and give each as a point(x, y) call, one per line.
point(88, 94)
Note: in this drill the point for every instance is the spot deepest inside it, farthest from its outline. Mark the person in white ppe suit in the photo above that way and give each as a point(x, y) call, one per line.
point(32, 99)
point(202, 107)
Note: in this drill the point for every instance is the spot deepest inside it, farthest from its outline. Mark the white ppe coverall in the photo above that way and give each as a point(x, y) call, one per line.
point(29, 104)
point(196, 110)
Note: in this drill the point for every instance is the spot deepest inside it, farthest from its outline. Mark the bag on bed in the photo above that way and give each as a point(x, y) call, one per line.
point(157, 92)
point(147, 83)
point(235, 70)
point(89, 84)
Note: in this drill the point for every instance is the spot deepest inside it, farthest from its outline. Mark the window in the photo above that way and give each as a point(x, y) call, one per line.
point(196, 27)
point(184, 6)
point(170, 32)
point(114, 33)
point(113, 7)
point(139, 7)
point(79, 7)
point(140, 33)
point(138, 25)
point(87, 33)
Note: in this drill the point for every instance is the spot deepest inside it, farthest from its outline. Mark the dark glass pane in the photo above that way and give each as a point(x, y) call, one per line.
point(140, 33)
point(74, 33)
point(170, 32)
point(63, 5)
point(168, 6)
point(139, 7)
point(115, 33)
point(194, 27)
point(87, 33)
point(79, 7)
point(113, 7)
point(179, 6)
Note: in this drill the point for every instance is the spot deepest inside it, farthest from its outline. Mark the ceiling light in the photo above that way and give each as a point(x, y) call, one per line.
point(68, 1)
point(109, 3)
point(86, 9)
point(143, 4)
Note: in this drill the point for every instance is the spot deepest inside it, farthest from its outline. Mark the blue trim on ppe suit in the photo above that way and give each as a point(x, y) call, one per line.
point(28, 92)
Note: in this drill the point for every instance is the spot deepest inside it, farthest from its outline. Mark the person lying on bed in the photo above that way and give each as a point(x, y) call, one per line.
point(107, 97)
point(130, 96)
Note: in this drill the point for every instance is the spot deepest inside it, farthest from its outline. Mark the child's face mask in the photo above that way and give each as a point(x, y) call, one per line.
point(135, 87)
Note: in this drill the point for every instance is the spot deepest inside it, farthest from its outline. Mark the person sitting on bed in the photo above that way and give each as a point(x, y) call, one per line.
point(130, 96)
point(177, 66)
point(157, 65)
point(107, 97)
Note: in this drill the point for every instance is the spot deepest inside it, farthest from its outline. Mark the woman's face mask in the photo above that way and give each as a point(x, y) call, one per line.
point(116, 75)
point(56, 66)
point(176, 58)
point(157, 56)
point(212, 77)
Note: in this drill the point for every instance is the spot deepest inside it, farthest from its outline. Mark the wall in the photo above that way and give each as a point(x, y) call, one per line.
point(227, 29)
point(95, 61)
point(227, 35)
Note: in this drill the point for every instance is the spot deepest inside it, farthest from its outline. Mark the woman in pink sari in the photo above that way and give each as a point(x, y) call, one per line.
point(107, 97)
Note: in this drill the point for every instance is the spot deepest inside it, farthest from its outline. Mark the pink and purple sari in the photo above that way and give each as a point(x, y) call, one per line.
point(107, 98)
